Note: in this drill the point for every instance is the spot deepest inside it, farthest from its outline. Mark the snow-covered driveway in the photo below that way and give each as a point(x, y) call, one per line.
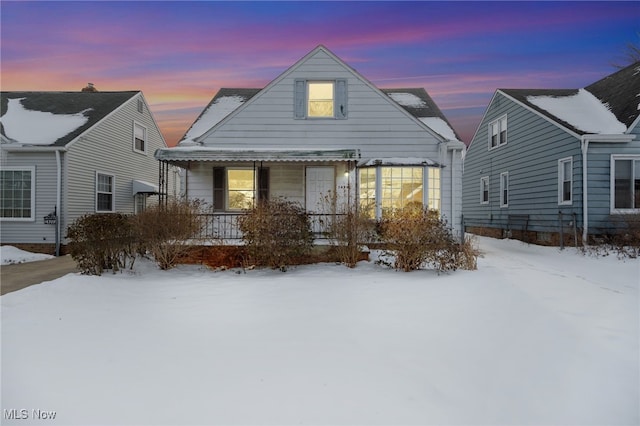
point(535, 336)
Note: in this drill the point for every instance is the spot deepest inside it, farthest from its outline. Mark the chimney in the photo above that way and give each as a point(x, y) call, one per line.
point(89, 88)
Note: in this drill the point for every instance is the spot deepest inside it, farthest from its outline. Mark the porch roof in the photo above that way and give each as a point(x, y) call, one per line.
point(201, 153)
point(398, 161)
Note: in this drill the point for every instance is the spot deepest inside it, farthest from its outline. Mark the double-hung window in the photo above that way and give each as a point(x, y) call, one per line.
point(625, 184)
point(139, 138)
point(504, 189)
point(484, 190)
point(105, 185)
point(17, 193)
point(320, 99)
point(238, 188)
point(498, 132)
point(565, 181)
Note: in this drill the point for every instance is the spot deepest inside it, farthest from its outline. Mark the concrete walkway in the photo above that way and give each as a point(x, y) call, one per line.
point(18, 276)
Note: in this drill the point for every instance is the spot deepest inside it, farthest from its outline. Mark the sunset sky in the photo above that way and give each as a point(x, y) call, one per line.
point(180, 53)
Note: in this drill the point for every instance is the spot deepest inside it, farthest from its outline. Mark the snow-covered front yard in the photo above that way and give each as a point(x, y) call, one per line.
point(534, 336)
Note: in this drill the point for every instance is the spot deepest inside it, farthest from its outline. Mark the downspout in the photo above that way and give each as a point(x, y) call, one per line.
point(453, 177)
point(58, 200)
point(584, 146)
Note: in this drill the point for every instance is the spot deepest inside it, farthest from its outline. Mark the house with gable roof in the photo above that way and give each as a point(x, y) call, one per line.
point(67, 154)
point(556, 166)
point(320, 128)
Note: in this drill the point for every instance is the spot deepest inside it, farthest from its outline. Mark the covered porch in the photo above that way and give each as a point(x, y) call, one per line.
point(231, 181)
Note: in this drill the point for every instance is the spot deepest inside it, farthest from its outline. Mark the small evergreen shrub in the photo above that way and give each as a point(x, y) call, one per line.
point(276, 232)
point(99, 242)
point(417, 237)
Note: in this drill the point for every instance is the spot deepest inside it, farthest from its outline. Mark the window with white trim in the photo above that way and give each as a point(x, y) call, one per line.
point(401, 187)
point(381, 190)
point(105, 185)
point(139, 138)
point(498, 132)
point(504, 189)
point(320, 99)
point(565, 181)
point(433, 188)
point(625, 184)
point(484, 190)
point(17, 193)
point(367, 191)
point(140, 202)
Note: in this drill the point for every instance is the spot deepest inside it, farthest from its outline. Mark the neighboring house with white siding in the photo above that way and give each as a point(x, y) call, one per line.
point(320, 128)
point(547, 163)
point(67, 154)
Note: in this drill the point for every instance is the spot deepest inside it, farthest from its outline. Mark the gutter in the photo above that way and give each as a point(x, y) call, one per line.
point(584, 147)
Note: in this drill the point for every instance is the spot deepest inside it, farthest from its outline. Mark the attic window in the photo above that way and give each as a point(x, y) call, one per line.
point(140, 106)
point(320, 99)
point(139, 138)
point(498, 132)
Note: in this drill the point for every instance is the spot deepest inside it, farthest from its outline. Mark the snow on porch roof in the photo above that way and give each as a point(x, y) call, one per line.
point(398, 161)
point(199, 153)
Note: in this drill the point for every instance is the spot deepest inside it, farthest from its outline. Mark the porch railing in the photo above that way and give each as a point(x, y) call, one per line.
point(224, 226)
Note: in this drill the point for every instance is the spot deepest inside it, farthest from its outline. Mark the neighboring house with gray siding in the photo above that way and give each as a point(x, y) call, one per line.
point(318, 129)
point(545, 163)
point(72, 153)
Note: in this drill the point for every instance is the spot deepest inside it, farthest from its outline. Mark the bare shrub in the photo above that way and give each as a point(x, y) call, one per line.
point(103, 241)
point(624, 240)
point(417, 237)
point(275, 232)
point(349, 229)
point(164, 229)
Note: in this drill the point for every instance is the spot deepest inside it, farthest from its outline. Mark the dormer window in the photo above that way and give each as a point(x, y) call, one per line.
point(320, 99)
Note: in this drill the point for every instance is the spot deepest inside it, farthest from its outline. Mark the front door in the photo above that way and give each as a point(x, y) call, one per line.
point(320, 185)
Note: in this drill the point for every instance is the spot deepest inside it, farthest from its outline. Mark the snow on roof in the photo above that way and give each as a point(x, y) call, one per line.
point(20, 124)
point(215, 113)
point(398, 161)
point(583, 111)
point(439, 126)
point(407, 99)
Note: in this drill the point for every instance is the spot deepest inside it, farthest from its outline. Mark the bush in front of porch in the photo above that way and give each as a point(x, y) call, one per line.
point(275, 233)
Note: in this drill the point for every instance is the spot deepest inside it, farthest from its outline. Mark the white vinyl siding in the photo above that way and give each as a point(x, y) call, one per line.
point(17, 193)
point(565, 181)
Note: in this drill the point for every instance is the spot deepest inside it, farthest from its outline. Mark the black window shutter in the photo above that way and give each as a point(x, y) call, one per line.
point(218, 188)
point(263, 183)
